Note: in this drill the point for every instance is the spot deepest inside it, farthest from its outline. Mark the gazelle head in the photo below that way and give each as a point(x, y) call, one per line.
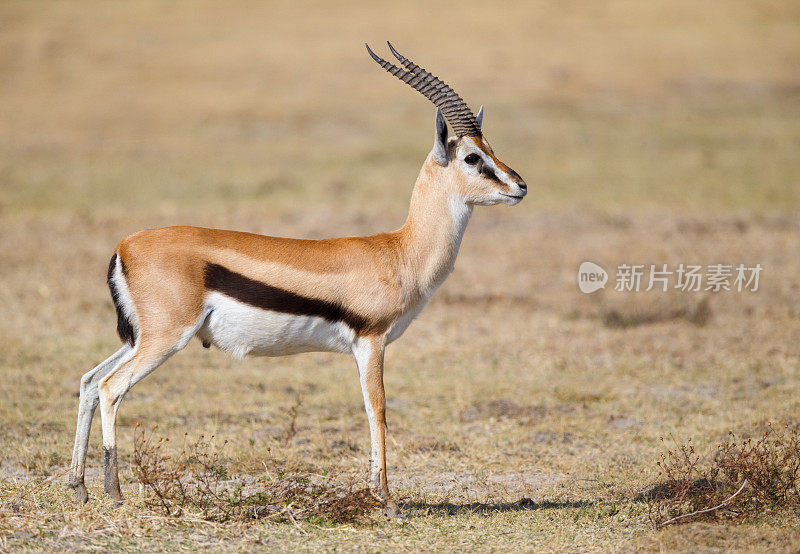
point(475, 173)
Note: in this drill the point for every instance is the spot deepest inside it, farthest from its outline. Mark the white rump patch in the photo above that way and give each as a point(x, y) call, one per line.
point(124, 298)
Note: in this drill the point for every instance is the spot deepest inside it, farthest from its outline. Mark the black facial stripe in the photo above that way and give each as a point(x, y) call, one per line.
point(489, 174)
point(267, 297)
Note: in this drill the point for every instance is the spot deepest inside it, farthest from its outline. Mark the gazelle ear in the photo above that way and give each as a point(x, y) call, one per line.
point(440, 139)
point(479, 117)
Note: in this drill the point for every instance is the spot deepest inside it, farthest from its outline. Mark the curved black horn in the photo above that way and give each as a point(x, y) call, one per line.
point(434, 89)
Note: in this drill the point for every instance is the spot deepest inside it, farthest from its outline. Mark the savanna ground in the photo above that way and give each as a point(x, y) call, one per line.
point(648, 132)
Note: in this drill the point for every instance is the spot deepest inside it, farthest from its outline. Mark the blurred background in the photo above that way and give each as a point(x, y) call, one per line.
point(648, 132)
point(193, 106)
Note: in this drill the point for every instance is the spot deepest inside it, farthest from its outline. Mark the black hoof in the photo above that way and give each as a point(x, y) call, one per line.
point(392, 510)
point(115, 493)
point(81, 494)
point(77, 485)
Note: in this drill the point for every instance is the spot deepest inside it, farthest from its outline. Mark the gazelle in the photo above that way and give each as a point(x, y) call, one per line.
point(268, 296)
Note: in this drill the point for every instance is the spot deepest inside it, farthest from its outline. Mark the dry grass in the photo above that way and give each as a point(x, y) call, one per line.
point(520, 416)
point(744, 479)
point(195, 481)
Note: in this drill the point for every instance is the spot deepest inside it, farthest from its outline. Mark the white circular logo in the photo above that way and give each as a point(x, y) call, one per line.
point(591, 277)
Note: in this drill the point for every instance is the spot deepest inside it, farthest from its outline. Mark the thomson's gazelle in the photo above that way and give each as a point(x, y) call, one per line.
point(268, 296)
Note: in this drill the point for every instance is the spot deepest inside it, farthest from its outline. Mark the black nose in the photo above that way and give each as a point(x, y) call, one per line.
point(523, 186)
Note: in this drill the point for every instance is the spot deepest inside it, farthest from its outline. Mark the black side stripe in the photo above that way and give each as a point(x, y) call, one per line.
point(124, 325)
point(267, 297)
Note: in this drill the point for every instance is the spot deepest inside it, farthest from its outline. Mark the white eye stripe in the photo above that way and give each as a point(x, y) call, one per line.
point(500, 174)
point(488, 162)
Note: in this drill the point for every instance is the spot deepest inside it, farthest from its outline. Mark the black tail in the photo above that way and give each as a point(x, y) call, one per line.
point(124, 325)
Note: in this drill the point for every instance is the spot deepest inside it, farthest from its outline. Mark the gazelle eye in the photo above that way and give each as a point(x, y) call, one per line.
point(472, 159)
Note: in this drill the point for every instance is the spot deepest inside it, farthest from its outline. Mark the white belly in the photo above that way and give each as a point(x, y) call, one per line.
point(242, 329)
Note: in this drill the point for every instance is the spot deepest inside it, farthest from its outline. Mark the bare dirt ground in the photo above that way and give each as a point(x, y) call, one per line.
point(522, 415)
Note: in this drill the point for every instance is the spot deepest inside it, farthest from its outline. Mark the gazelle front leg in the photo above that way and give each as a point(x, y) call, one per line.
point(368, 352)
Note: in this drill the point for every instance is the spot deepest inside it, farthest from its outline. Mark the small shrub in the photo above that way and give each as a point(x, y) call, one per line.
point(744, 478)
point(196, 482)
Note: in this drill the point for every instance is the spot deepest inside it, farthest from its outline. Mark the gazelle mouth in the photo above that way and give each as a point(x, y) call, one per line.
point(520, 197)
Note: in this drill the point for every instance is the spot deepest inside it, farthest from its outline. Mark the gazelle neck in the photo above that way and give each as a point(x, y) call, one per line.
point(432, 233)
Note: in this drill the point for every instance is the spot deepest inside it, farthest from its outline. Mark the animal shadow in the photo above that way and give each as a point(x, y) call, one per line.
point(488, 508)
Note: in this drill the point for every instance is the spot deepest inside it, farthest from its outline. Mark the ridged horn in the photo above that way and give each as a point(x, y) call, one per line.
point(455, 110)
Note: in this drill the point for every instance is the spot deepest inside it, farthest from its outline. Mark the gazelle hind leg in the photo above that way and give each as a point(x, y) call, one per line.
point(89, 398)
point(152, 351)
point(112, 389)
